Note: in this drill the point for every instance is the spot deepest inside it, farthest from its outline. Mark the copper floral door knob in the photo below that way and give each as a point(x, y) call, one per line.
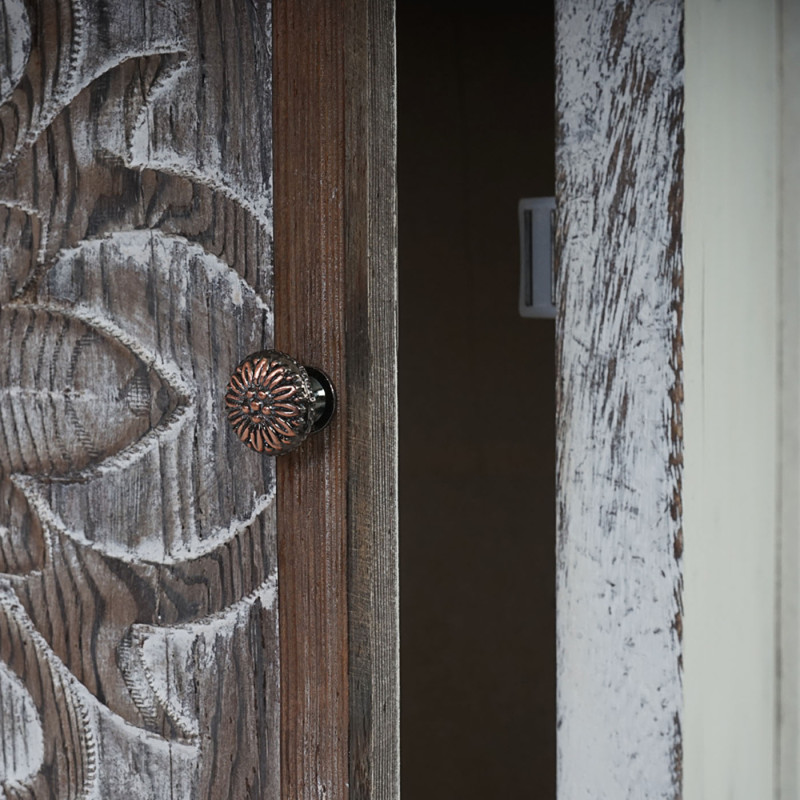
point(274, 403)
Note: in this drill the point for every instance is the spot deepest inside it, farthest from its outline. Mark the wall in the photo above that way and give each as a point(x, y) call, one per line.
point(731, 373)
point(477, 457)
point(789, 431)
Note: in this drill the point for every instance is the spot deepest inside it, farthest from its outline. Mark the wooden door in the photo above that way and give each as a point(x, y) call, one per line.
point(176, 619)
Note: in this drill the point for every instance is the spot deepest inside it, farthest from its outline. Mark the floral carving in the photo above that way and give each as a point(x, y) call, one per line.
point(135, 269)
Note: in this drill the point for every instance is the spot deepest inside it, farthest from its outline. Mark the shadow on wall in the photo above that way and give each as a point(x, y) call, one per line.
point(477, 447)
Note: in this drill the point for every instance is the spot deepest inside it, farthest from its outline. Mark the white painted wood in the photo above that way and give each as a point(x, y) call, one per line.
point(789, 437)
point(619, 101)
point(731, 370)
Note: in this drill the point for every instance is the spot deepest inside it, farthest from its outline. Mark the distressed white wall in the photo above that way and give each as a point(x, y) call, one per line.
point(731, 405)
point(789, 436)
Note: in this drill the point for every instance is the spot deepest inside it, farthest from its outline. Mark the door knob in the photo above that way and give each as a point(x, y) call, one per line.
point(274, 403)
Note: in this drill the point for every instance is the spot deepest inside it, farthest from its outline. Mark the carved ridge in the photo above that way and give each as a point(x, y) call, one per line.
point(31, 487)
point(145, 692)
point(157, 490)
point(64, 684)
point(142, 683)
point(169, 375)
point(57, 98)
point(16, 699)
point(179, 170)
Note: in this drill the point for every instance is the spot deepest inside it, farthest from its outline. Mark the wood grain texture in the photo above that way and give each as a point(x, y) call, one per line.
point(310, 295)
point(336, 309)
point(21, 755)
point(138, 597)
point(619, 96)
point(371, 374)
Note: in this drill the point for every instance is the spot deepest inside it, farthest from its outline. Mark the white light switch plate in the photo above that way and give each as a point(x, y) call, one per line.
point(537, 266)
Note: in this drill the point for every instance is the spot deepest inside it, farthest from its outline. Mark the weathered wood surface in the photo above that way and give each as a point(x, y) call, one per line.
point(335, 279)
point(138, 618)
point(619, 98)
point(371, 341)
point(309, 289)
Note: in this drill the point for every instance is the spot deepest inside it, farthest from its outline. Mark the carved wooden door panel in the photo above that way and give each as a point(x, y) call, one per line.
point(142, 566)
point(138, 615)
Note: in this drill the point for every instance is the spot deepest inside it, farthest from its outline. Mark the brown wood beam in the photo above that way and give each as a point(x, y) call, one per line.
point(309, 172)
point(335, 306)
point(371, 341)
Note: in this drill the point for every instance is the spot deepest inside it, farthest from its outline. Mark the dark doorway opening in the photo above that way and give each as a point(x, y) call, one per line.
point(477, 408)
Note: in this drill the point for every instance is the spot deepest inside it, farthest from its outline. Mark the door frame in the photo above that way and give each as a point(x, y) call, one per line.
point(653, 246)
point(336, 307)
point(619, 397)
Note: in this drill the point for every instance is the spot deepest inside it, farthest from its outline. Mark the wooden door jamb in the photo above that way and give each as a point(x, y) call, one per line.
point(335, 301)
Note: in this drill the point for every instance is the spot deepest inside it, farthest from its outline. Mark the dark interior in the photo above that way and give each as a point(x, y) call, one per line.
point(477, 407)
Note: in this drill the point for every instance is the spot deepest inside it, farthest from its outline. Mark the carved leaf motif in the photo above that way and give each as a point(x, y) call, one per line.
point(22, 547)
point(70, 396)
point(15, 46)
point(167, 670)
point(22, 749)
point(67, 754)
point(65, 55)
point(138, 236)
point(20, 239)
point(154, 291)
point(164, 666)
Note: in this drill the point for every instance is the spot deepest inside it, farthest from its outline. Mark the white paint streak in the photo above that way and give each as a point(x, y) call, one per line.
point(619, 697)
